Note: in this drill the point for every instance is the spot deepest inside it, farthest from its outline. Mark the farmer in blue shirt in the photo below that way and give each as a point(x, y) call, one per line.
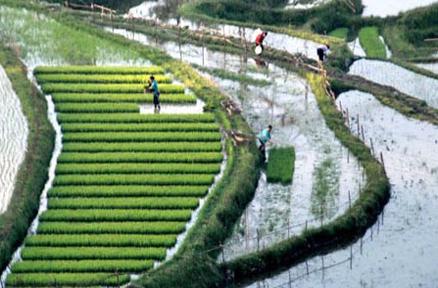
point(153, 86)
point(263, 138)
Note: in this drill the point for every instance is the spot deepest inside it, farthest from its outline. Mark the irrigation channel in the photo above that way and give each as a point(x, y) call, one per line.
point(40, 41)
point(13, 139)
point(385, 256)
point(285, 100)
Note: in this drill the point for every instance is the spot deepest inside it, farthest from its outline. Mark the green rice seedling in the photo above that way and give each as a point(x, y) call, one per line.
point(141, 136)
point(124, 203)
point(371, 43)
point(111, 227)
point(125, 98)
point(96, 215)
point(132, 118)
point(136, 179)
point(91, 266)
point(102, 240)
point(97, 107)
point(100, 78)
point(97, 70)
point(340, 33)
point(65, 279)
point(143, 147)
point(140, 127)
point(281, 165)
point(136, 168)
point(107, 88)
point(82, 253)
point(139, 157)
point(129, 191)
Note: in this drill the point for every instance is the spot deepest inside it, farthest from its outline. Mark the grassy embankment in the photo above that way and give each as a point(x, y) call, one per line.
point(33, 171)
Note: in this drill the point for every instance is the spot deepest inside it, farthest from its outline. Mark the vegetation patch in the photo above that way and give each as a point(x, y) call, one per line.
point(281, 165)
point(371, 43)
point(341, 33)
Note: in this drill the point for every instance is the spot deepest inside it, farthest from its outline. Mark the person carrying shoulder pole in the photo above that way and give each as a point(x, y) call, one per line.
point(153, 86)
point(323, 51)
point(263, 138)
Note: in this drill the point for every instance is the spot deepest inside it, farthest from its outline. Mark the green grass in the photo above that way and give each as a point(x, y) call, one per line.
point(83, 69)
point(341, 33)
point(125, 98)
point(141, 127)
point(114, 215)
point(136, 168)
point(124, 203)
point(107, 88)
point(129, 191)
point(134, 179)
point(113, 137)
point(100, 78)
point(191, 157)
point(67, 279)
point(373, 46)
point(132, 118)
point(90, 266)
point(97, 107)
point(121, 227)
point(142, 147)
point(281, 165)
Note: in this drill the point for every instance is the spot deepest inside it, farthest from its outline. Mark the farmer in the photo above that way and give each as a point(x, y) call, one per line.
point(264, 137)
point(260, 38)
point(153, 87)
point(323, 51)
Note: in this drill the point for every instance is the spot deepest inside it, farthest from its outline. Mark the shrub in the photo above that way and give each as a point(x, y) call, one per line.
point(281, 165)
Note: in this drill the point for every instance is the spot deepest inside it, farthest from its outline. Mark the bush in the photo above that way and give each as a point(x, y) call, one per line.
point(281, 165)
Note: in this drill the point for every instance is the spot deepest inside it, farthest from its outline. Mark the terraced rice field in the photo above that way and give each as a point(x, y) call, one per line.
point(126, 184)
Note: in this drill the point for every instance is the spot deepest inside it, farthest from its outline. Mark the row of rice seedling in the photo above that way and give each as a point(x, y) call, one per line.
point(141, 136)
point(129, 191)
point(101, 78)
point(114, 227)
point(126, 184)
point(78, 266)
point(140, 157)
point(97, 70)
point(132, 118)
point(119, 203)
point(142, 147)
point(140, 127)
point(104, 240)
point(179, 98)
point(137, 168)
point(107, 88)
point(115, 215)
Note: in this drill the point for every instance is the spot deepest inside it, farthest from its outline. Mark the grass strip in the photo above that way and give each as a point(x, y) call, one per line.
point(139, 157)
point(136, 168)
point(340, 33)
point(142, 137)
point(281, 165)
point(102, 240)
point(140, 127)
point(129, 191)
point(100, 78)
point(65, 279)
point(114, 215)
point(133, 118)
point(150, 228)
point(124, 203)
point(136, 179)
point(79, 253)
point(90, 266)
point(107, 88)
point(126, 98)
point(143, 147)
point(371, 43)
point(84, 69)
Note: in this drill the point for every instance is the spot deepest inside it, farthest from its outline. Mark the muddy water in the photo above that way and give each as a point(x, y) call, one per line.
point(391, 7)
point(403, 253)
point(13, 139)
point(405, 81)
point(289, 105)
point(275, 40)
